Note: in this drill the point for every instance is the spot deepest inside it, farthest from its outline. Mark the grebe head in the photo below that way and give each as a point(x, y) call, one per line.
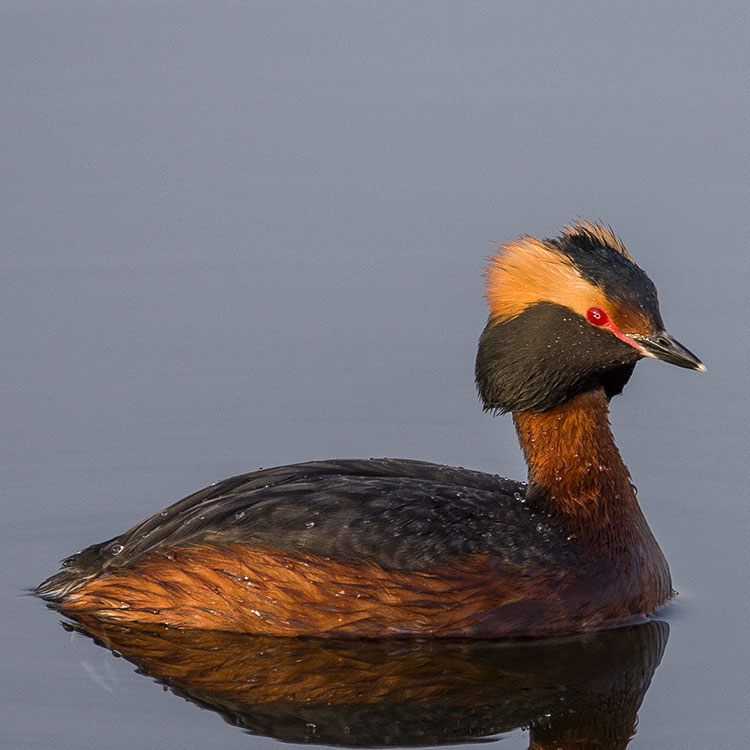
point(567, 315)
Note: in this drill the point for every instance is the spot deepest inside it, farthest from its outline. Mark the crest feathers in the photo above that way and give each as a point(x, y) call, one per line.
point(601, 234)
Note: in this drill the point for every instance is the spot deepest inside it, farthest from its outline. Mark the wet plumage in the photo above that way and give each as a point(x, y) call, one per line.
point(394, 547)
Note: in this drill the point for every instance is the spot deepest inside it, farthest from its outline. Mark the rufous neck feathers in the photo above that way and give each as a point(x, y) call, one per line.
point(574, 466)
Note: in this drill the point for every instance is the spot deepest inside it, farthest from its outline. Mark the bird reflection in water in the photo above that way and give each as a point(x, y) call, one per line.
point(579, 692)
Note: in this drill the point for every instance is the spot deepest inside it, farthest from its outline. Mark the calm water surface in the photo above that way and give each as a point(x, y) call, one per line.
point(241, 235)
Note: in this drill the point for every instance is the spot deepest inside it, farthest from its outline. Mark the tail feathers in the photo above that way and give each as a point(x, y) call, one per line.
point(56, 588)
point(77, 570)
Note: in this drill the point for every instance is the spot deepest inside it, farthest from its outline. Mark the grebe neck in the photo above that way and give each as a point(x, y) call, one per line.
point(576, 471)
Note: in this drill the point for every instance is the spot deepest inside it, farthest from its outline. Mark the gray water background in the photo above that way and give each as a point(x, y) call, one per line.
point(244, 234)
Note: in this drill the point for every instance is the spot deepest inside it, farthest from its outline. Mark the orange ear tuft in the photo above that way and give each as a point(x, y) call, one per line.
point(527, 271)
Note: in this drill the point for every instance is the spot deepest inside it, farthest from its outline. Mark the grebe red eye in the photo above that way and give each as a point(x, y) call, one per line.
point(597, 316)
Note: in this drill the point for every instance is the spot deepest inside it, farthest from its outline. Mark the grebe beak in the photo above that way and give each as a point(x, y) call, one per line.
point(662, 346)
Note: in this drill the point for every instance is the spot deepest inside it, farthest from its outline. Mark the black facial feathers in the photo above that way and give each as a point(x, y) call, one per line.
point(545, 356)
